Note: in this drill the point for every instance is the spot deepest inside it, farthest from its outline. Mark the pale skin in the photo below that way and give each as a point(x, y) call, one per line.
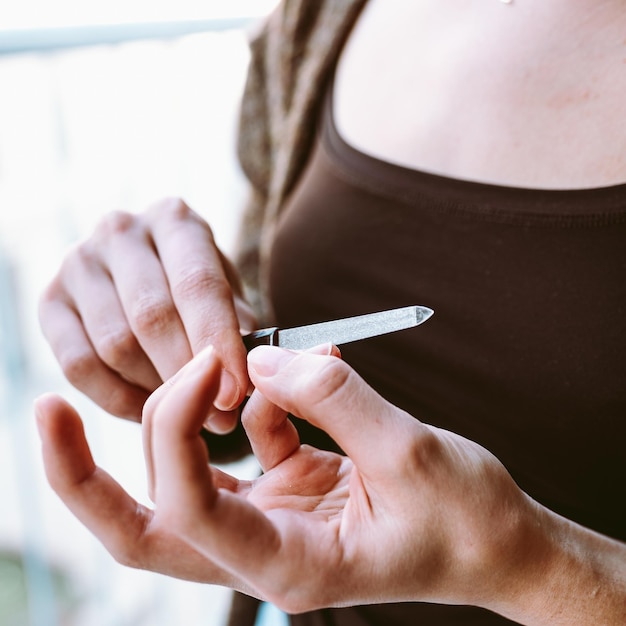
point(138, 299)
point(411, 513)
point(529, 94)
point(524, 95)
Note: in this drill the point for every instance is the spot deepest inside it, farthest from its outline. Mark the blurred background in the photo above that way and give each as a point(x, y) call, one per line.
point(102, 106)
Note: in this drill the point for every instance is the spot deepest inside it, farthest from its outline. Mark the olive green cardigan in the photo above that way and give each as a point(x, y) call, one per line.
point(292, 56)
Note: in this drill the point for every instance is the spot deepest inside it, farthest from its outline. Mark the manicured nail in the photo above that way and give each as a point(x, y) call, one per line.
point(228, 395)
point(324, 349)
point(266, 361)
point(221, 422)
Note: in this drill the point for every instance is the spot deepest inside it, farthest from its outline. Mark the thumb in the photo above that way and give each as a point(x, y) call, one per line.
point(329, 394)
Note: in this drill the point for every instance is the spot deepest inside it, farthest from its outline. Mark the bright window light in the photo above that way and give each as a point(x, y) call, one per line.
point(27, 14)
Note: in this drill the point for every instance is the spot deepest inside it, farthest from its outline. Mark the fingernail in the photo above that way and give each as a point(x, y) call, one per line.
point(324, 349)
point(228, 395)
point(268, 360)
point(221, 422)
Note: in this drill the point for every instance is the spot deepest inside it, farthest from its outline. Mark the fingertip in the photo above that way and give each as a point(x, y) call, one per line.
point(267, 361)
point(325, 349)
point(50, 410)
point(229, 395)
point(222, 422)
point(189, 396)
point(42, 403)
point(203, 366)
point(39, 406)
point(66, 455)
point(39, 409)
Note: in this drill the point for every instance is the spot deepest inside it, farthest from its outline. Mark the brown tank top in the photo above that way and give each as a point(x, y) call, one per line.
point(526, 351)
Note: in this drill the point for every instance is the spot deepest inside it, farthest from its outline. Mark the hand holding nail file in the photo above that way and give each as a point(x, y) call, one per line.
point(339, 331)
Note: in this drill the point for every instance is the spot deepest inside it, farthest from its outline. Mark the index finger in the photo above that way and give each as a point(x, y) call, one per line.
point(272, 435)
point(202, 293)
point(217, 522)
point(126, 528)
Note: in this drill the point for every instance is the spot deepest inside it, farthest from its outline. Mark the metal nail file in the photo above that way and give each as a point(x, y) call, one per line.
point(339, 331)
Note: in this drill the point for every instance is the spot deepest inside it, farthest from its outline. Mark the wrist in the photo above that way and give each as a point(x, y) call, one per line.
point(560, 573)
point(518, 551)
point(532, 558)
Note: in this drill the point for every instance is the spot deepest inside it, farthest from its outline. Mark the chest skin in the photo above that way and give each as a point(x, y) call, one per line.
point(529, 94)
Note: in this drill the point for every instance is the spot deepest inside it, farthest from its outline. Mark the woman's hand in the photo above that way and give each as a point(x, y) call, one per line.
point(134, 302)
point(412, 513)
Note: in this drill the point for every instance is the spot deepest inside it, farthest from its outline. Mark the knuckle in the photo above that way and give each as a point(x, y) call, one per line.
point(151, 315)
point(181, 523)
point(177, 208)
point(173, 207)
point(123, 403)
point(131, 551)
point(78, 368)
point(173, 204)
point(115, 223)
point(324, 384)
point(52, 293)
point(176, 212)
point(76, 365)
point(421, 452)
point(194, 283)
point(81, 255)
point(116, 347)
